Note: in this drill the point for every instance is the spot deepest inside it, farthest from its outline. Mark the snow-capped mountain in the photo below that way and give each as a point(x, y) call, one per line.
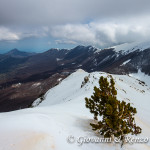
point(135, 57)
point(63, 114)
point(127, 48)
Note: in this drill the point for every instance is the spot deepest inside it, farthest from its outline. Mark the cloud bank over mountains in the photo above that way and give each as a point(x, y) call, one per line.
point(98, 22)
point(102, 34)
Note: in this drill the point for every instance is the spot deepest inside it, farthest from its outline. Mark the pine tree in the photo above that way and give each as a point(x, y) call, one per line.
point(117, 116)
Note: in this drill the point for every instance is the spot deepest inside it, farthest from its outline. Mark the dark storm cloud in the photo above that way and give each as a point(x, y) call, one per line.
point(99, 22)
point(47, 12)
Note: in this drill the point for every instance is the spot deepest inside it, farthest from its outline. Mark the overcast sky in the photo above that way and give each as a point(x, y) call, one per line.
point(36, 25)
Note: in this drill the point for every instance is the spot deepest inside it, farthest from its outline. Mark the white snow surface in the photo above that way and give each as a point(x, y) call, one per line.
point(124, 63)
point(130, 47)
point(142, 76)
point(63, 113)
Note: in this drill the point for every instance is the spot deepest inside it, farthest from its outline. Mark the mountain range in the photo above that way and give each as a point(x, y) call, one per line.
point(25, 76)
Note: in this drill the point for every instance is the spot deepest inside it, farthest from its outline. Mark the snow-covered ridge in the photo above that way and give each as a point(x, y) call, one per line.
point(141, 76)
point(95, 49)
point(63, 113)
point(130, 47)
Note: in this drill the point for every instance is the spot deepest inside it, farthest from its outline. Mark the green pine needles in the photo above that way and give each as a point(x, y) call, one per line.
point(117, 116)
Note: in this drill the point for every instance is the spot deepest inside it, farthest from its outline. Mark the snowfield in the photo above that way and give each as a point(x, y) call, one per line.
point(63, 114)
point(127, 48)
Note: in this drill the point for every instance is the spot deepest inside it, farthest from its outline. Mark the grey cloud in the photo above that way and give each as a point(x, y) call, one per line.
point(103, 34)
point(97, 22)
point(7, 35)
point(48, 12)
point(65, 42)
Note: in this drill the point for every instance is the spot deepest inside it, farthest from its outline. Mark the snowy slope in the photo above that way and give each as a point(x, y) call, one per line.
point(141, 76)
point(63, 113)
point(130, 47)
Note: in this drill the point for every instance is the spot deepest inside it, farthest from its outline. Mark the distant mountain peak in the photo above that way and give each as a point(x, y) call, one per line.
point(89, 47)
point(17, 53)
point(14, 50)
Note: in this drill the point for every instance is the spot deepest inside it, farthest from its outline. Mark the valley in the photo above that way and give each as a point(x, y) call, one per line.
point(27, 69)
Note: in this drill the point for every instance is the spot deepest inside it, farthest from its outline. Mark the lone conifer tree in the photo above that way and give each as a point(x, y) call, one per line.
point(117, 116)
